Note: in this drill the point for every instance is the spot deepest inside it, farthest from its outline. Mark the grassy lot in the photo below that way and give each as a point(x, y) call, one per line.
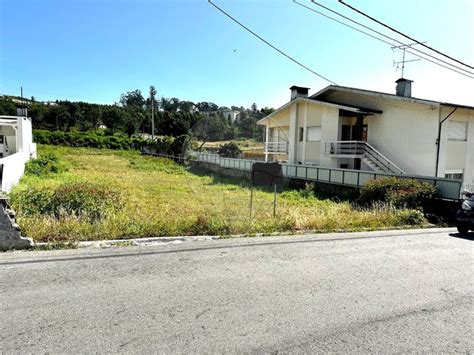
point(244, 144)
point(105, 194)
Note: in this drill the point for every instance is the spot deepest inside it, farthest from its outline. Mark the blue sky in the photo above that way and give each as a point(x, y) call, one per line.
point(94, 50)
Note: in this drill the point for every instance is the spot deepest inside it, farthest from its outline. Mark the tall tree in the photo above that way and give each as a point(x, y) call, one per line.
point(254, 107)
point(132, 98)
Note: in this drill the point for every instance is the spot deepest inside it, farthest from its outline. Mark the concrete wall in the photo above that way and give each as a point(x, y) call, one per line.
point(406, 137)
point(10, 236)
point(329, 132)
point(468, 180)
point(25, 137)
point(21, 150)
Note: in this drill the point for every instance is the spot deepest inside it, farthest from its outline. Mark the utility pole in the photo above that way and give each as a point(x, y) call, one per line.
point(152, 101)
point(152, 118)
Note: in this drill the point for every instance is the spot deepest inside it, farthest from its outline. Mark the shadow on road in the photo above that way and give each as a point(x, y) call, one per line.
point(467, 236)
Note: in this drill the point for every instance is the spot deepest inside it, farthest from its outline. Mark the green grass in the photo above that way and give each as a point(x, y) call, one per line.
point(157, 197)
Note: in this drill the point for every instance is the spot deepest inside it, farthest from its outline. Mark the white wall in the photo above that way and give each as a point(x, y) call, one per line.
point(406, 137)
point(329, 132)
point(13, 169)
point(13, 166)
point(469, 163)
point(25, 137)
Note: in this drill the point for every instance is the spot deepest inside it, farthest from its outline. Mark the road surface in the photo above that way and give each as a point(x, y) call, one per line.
point(394, 291)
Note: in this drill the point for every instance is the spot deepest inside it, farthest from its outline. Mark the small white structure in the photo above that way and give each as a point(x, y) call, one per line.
point(231, 114)
point(16, 148)
point(351, 128)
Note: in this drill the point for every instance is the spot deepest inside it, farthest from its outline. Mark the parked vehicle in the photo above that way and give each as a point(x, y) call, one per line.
point(465, 215)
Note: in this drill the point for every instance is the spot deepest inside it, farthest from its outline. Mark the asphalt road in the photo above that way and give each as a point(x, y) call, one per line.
point(367, 292)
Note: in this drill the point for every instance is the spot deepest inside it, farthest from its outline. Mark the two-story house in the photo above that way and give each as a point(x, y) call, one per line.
point(343, 127)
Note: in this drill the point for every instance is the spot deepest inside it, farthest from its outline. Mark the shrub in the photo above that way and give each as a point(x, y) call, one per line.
point(45, 165)
point(229, 150)
point(118, 141)
point(397, 192)
point(87, 200)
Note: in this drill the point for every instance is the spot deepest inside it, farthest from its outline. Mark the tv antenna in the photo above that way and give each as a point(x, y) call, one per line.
point(403, 47)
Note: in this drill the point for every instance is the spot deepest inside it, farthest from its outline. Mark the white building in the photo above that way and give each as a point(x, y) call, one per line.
point(352, 128)
point(16, 148)
point(231, 114)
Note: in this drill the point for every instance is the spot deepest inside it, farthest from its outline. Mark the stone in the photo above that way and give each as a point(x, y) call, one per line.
point(10, 234)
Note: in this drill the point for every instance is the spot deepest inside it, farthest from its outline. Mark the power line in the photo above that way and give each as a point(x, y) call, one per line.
point(375, 37)
point(404, 35)
point(269, 44)
point(385, 36)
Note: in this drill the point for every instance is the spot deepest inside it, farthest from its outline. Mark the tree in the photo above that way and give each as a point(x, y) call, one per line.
point(7, 107)
point(132, 99)
point(254, 107)
point(186, 106)
point(114, 118)
point(266, 111)
point(206, 106)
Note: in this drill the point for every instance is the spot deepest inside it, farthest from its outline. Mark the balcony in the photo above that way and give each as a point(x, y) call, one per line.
point(276, 147)
point(363, 150)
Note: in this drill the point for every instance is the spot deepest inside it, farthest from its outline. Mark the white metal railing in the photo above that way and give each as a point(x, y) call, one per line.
point(277, 147)
point(447, 188)
point(363, 150)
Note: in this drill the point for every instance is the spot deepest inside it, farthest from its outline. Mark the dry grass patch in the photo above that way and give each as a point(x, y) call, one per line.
point(156, 197)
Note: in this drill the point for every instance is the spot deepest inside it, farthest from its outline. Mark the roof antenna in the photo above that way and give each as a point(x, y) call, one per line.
point(403, 47)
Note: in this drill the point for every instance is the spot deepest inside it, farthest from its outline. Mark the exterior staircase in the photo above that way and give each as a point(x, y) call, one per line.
point(364, 151)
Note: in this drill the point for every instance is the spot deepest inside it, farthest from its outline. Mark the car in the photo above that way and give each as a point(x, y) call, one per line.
point(465, 215)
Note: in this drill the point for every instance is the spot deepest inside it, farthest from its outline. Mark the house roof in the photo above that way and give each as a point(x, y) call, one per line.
point(333, 88)
point(349, 108)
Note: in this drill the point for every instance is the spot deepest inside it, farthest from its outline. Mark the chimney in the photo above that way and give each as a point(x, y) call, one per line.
point(403, 87)
point(298, 91)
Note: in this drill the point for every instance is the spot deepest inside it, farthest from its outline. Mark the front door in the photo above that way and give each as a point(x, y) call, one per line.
point(354, 133)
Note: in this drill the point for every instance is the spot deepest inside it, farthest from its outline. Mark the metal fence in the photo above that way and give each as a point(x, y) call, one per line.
point(447, 188)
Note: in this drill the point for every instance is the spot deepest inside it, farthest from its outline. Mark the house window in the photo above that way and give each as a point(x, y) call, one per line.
point(301, 134)
point(313, 134)
point(457, 130)
point(454, 174)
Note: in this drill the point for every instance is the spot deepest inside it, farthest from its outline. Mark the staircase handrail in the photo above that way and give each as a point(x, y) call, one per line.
point(368, 150)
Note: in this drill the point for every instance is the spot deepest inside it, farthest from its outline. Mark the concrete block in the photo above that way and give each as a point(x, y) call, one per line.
point(10, 234)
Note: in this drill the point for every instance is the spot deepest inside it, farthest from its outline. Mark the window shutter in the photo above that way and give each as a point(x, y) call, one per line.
point(457, 130)
point(314, 134)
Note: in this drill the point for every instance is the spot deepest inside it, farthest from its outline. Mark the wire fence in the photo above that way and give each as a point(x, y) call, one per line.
point(447, 188)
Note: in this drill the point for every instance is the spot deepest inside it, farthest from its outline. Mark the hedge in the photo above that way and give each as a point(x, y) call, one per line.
point(118, 141)
point(398, 192)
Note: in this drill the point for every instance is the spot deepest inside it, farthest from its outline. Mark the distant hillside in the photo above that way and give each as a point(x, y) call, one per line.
point(132, 115)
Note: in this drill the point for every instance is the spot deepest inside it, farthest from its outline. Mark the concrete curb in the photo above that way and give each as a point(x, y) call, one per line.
point(138, 241)
point(154, 241)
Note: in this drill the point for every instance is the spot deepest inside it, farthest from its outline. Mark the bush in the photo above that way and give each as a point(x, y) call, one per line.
point(77, 199)
point(229, 150)
point(45, 165)
point(98, 139)
point(398, 192)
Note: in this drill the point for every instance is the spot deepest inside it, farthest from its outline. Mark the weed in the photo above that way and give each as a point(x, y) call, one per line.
point(109, 194)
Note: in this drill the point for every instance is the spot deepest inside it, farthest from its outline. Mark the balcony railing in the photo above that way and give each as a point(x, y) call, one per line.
point(363, 150)
point(276, 147)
